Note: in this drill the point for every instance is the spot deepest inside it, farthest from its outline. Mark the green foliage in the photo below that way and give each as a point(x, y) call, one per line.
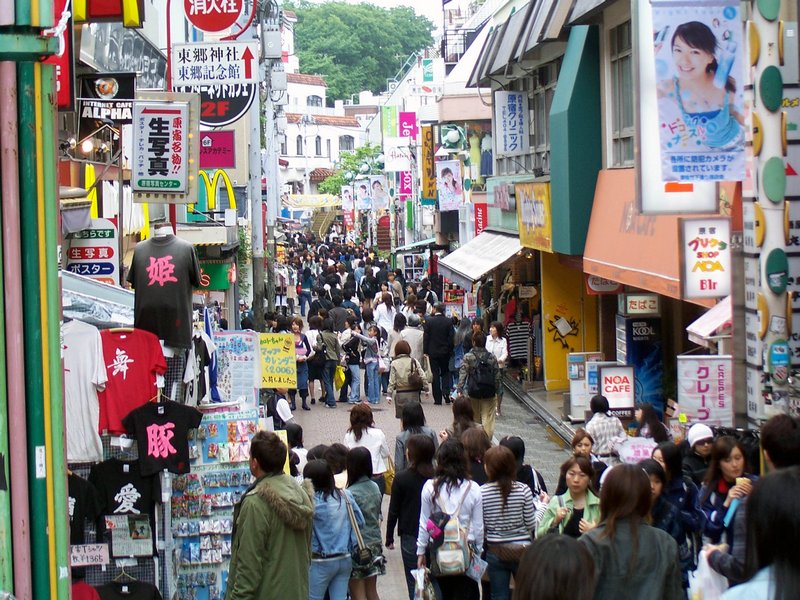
point(356, 47)
point(349, 161)
point(244, 254)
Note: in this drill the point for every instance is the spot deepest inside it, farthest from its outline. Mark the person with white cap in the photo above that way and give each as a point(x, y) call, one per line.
point(698, 457)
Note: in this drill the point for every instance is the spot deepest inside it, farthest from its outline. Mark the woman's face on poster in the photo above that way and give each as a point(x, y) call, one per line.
point(690, 63)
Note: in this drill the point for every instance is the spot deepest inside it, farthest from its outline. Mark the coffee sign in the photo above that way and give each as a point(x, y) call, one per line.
point(618, 385)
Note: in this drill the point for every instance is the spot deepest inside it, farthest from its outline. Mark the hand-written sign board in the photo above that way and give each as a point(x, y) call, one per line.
point(85, 555)
point(278, 366)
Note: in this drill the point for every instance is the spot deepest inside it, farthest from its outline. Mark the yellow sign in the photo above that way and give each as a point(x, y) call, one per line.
point(212, 183)
point(428, 166)
point(311, 200)
point(534, 216)
point(278, 366)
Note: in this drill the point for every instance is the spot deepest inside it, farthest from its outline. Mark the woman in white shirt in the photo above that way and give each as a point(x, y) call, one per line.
point(450, 489)
point(385, 312)
point(498, 345)
point(363, 433)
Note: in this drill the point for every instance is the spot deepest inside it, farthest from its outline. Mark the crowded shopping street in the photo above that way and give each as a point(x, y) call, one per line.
point(399, 299)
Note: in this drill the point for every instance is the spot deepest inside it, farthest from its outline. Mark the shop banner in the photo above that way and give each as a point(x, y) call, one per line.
point(705, 389)
point(389, 121)
point(238, 366)
point(363, 199)
point(278, 361)
point(396, 154)
point(427, 164)
point(215, 276)
point(448, 184)
point(408, 125)
point(347, 197)
point(105, 96)
point(94, 253)
point(618, 385)
point(217, 150)
point(409, 214)
point(636, 449)
point(699, 57)
point(511, 124)
point(311, 200)
point(481, 217)
point(406, 186)
point(378, 193)
point(707, 260)
point(534, 215)
point(160, 147)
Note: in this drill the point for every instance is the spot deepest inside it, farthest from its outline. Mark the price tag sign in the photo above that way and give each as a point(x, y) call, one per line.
point(86, 555)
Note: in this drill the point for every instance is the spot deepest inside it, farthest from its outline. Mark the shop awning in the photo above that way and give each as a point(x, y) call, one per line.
point(626, 246)
point(477, 257)
point(415, 245)
point(703, 330)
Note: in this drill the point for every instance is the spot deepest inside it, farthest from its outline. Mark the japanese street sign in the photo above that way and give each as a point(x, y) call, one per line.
point(222, 105)
point(213, 15)
point(618, 385)
point(511, 121)
point(217, 150)
point(215, 63)
point(166, 147)
point(706, 253)
point(105, 96)
point(705, 389)
point(93, 252)
point(160, 146)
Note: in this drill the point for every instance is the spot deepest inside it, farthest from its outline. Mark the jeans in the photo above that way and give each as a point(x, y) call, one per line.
point(500, 576)
point(305, 297)
point(440, 369)
point(355, 383)
point(385, 382)
point(331, 575)
point(408, 550)
point(373, 382)
point(327, 378)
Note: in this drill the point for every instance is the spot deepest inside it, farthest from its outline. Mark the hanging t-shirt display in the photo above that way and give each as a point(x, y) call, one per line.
point(199, 384)
point(162, 434)
point(83, 504)
point(84, 376)
point(132, 361)
point(163, 272)
point(518, 332)
point(129, 590)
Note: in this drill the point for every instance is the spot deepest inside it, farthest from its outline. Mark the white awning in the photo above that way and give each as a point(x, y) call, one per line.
point(477, 257)
point(703, 330)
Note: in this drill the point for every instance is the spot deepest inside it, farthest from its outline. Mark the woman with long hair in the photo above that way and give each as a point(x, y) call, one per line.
point(362, 432)
point(302, 350)
point(526, 473)
point(451, 491)
point(582, 444)
point(773, 528)
point(315, 360)
point(405, 503)
point(650, 426)
point(364, 578)
point(413, 422)
point(398, 325)
point(508, 519)
point(463, 419)
point(306, 285)
point(476, 443)
point(555, 567)
point(725, 485)
point(578, 510)
point(497, 344)
point(385, 312)
point(633, 559)
point(331, 534)
point(409, 306)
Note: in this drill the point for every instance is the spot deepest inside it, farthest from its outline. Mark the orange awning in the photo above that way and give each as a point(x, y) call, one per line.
point(625, 246)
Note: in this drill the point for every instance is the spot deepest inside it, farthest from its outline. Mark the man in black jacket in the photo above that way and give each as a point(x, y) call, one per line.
point(437, 344)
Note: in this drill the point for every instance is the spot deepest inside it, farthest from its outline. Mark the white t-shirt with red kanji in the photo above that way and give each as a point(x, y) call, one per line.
point(132, 360)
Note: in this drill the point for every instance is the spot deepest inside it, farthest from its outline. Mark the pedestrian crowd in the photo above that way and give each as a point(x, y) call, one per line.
point(472, 518)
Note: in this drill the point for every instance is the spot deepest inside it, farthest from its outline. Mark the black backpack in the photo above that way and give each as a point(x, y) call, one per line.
point(482, 378)
point(272, 411)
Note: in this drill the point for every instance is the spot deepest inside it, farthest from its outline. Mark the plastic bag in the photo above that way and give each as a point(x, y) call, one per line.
point(423, 588)
point(477, 567)
point(338, 377)
point(705, 583)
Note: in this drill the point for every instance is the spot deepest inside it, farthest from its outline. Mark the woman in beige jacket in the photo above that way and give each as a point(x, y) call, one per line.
point(407, 378)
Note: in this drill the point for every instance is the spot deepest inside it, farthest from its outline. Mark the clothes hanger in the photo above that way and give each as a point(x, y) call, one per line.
point(124, 573)
point(121, 330)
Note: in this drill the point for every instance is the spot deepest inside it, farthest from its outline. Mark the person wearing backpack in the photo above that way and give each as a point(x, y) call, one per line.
point(453, 501)
point(479, 379)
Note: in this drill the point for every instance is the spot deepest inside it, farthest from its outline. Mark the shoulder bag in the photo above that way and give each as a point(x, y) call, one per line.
point(361, 554)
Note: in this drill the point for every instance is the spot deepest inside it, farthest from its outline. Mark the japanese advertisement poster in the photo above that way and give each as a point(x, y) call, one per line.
point(700, 80)
point(533, 214)
point(511, 123)
point(705, 389)
point(448, 183)
point(706, 257)
point(378, 192)
point(278, 366)
point(160, 146)
point(363, 199)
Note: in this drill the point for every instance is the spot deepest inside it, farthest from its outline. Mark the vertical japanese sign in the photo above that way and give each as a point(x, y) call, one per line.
point(706, 257)
point(481, 217)
point(428, 168)
point(389, 121)
point(534, 215)
point(408, 124)
point(160, 146)
point(700, 79)
point(348, 207)
point(278, 366)
point(93, 252)
point(511, 123)
point(705, 389)
point(406, 185)
point(448, 184)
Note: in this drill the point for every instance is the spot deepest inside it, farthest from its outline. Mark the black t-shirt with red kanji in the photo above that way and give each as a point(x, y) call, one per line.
point(162, 433)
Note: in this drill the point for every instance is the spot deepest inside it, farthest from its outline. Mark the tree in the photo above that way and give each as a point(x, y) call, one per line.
point(356, 47)
point(349, 162)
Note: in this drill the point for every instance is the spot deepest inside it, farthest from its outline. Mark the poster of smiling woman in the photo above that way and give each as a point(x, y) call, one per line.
point(448, 184)
point(700, 78)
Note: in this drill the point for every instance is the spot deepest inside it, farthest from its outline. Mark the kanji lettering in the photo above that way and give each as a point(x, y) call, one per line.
point(158, 440)
point(161, 271)
point(127, 496)
point(121, 363)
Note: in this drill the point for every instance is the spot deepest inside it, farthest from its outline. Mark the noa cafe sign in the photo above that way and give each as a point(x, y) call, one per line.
point(618, 385)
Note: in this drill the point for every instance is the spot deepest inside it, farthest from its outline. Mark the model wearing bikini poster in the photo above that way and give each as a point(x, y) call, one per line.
point(698, 61)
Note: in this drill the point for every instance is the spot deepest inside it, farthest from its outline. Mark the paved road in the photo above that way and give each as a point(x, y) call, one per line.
point(327, 426)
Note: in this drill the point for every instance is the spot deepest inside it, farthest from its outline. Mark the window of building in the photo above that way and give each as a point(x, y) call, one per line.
point(284, 145)
point(318, 146)
point(543, 90)
point(622, 124)
point(347, 143)
point(328, 147)
point(314, 100)
point(300, 145)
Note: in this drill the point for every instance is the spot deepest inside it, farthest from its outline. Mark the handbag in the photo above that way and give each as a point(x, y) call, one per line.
point(362, 555)
point(508, 552)
point(388, 476)
point(455, 554)
point(339, 377)
point(415, 379)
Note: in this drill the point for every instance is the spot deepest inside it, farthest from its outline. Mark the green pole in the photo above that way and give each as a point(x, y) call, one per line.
point(31, 293)
point(22, 10)
point(51, 220)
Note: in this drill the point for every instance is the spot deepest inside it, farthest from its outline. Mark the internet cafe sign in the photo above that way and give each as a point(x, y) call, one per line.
point(706, 254)
point(618, 385)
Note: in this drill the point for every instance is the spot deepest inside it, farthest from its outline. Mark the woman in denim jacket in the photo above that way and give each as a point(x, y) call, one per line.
point(332, 536)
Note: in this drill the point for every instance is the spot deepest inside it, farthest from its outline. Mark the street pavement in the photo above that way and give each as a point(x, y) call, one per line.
point(326, 426)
